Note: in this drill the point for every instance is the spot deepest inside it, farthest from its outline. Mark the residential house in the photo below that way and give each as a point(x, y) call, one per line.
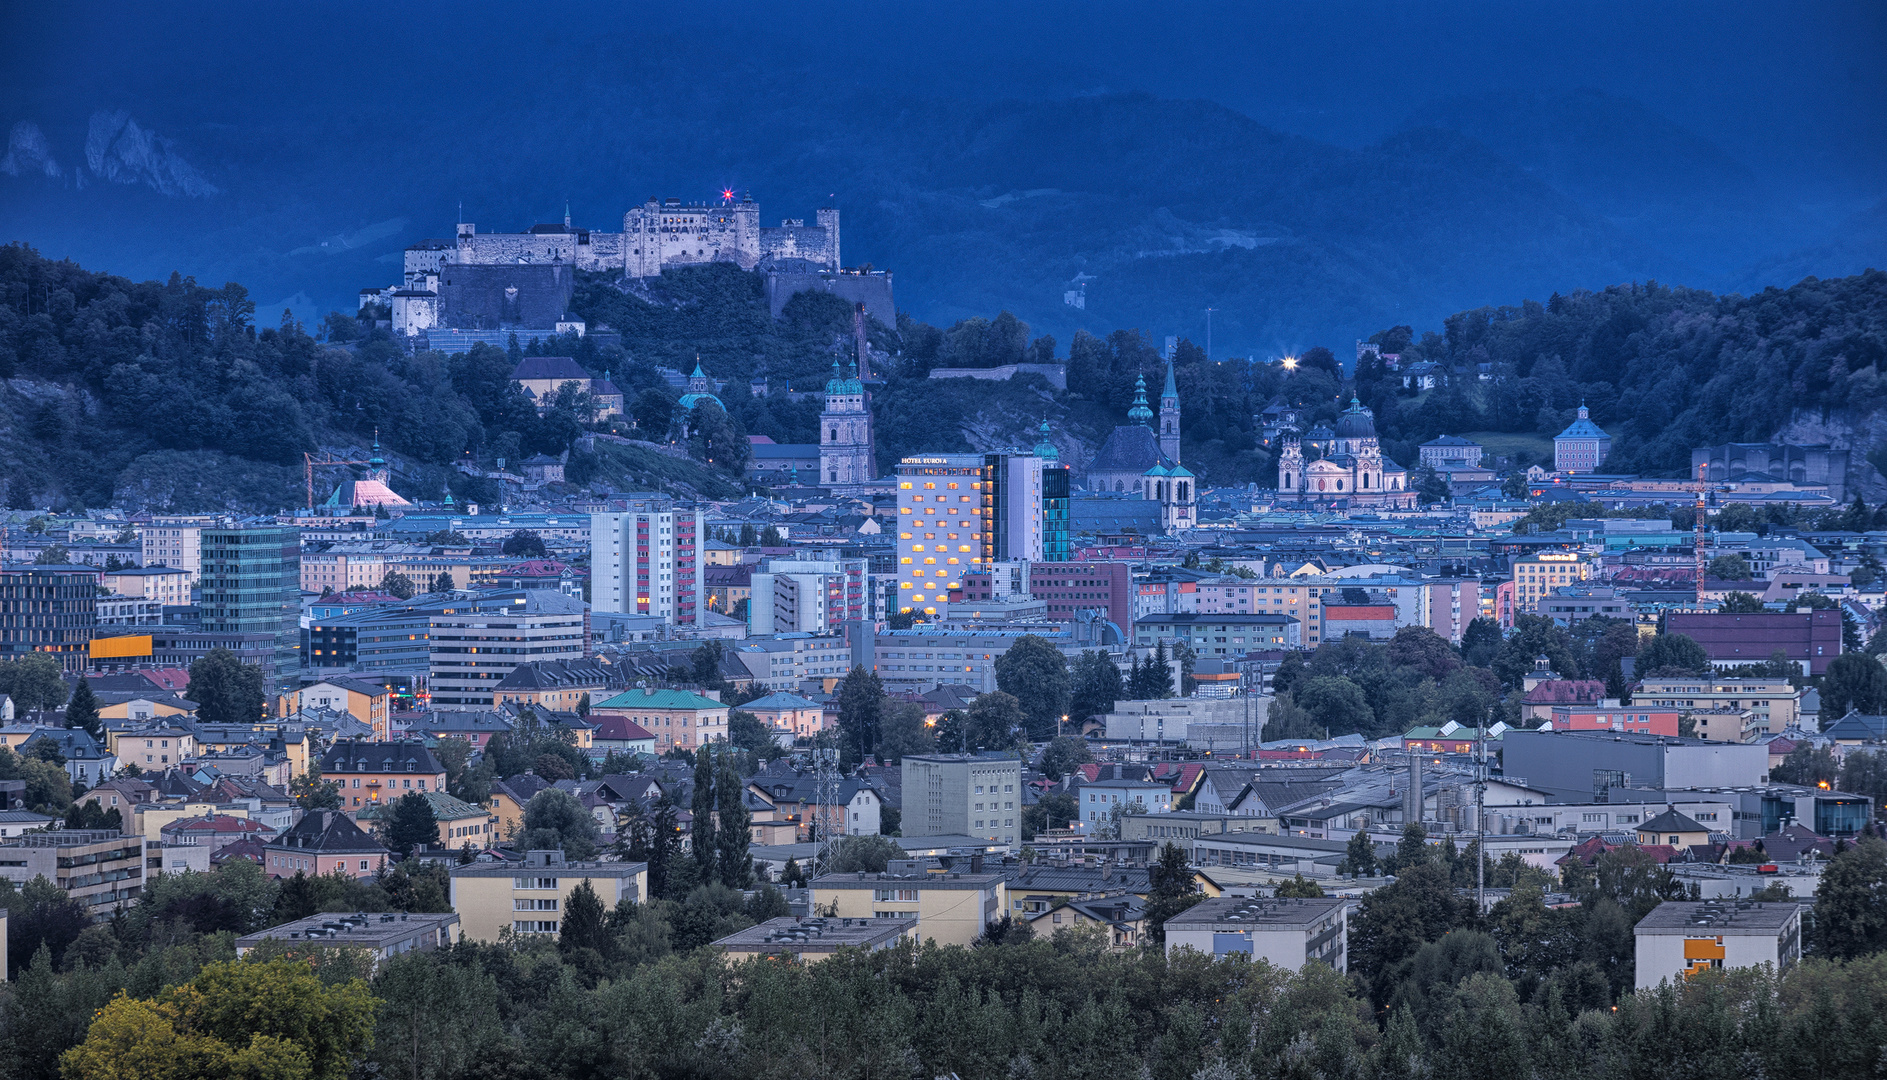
point(1673, 829)
point(214, 831)
point(784, 711)
point(324, 842)
point(86, 762)
point(370, 772)
point(461, 824)
point(364, 701)
point(677, 718)
point(562, 685)
point(621, 735)
point(1123, 917)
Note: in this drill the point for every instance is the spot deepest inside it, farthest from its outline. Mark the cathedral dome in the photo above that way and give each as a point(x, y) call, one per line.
point(1046, 449)
point(1356, 422)
point(839, 384)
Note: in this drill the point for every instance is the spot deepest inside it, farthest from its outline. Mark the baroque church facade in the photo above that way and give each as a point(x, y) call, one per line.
point(1354, 473)
point(1137, 458)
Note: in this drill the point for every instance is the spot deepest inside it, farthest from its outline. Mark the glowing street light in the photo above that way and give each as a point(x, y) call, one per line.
point(1290, 363)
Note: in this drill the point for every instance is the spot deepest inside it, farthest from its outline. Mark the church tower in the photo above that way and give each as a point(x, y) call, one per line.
point(1169, 416)
point(1291, 467)
point(845, 441)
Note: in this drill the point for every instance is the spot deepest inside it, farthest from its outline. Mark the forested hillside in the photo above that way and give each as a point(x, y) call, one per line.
point(1662, 368)
point(176, 395)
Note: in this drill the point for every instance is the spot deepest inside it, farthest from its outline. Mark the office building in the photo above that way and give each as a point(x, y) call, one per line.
point(961, 512)
point(529, 897)
point(51, 610)
point(1288, 933)
point(1680, 938)
point(250, 578)
point(1582, 765)
point(476, 643)
point(963, 794)
point(647, 560)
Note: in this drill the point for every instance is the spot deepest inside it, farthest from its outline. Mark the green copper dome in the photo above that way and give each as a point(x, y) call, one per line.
point(1045, 449)
point(1140, 414)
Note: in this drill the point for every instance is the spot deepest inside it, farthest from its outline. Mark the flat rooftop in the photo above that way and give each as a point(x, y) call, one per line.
point(1714, 917)
point(792, 934)
point(366, 929)
point(1231, 913)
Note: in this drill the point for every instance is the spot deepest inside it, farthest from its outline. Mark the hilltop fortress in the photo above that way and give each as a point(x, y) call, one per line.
point(656, 236)
point(524, 280)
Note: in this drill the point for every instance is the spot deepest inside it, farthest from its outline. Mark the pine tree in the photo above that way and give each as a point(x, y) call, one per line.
point(732, 837)
point(583, 923)
point(702, 806)
point(82, 710)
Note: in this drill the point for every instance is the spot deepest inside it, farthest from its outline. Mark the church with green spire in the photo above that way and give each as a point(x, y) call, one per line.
point(1135, 447)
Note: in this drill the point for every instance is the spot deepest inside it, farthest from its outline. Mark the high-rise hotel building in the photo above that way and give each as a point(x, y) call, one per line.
point(647, 560)
point(958, 512)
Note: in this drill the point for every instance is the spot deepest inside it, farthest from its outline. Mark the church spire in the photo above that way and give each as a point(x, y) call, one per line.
point(1139, 413)
point(1169, 415)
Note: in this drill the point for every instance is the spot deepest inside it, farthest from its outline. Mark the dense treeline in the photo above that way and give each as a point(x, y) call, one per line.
point(1662, 369)
point(134, 384)
point(1433, 990)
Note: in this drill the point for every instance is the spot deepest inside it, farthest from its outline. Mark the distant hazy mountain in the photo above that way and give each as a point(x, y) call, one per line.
point(1651, 178)
point(1152, 209)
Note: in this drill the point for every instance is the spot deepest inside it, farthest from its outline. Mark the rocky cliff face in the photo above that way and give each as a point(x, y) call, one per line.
point(1864, 435)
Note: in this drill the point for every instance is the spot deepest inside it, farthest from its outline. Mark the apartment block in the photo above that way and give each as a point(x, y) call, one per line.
point(1289, 933)
point(1538, 574)
point(175, 542)
point(1679, 939)
point(975, 795)
point(648, 561)
point(97, 867)
point(1774, 702)
point(529, 897)
point(949, 908)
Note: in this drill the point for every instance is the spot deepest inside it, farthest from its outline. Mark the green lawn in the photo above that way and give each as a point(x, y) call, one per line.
point(1505, 443)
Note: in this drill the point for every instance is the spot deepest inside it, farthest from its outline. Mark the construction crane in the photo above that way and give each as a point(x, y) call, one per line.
point(1703, 487)
point(309, 462)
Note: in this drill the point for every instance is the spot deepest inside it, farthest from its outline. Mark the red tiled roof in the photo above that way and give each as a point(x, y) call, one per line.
point(217, 823)
point(619, 729)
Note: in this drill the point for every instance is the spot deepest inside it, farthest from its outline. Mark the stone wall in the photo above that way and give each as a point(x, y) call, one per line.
point(873, 290)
